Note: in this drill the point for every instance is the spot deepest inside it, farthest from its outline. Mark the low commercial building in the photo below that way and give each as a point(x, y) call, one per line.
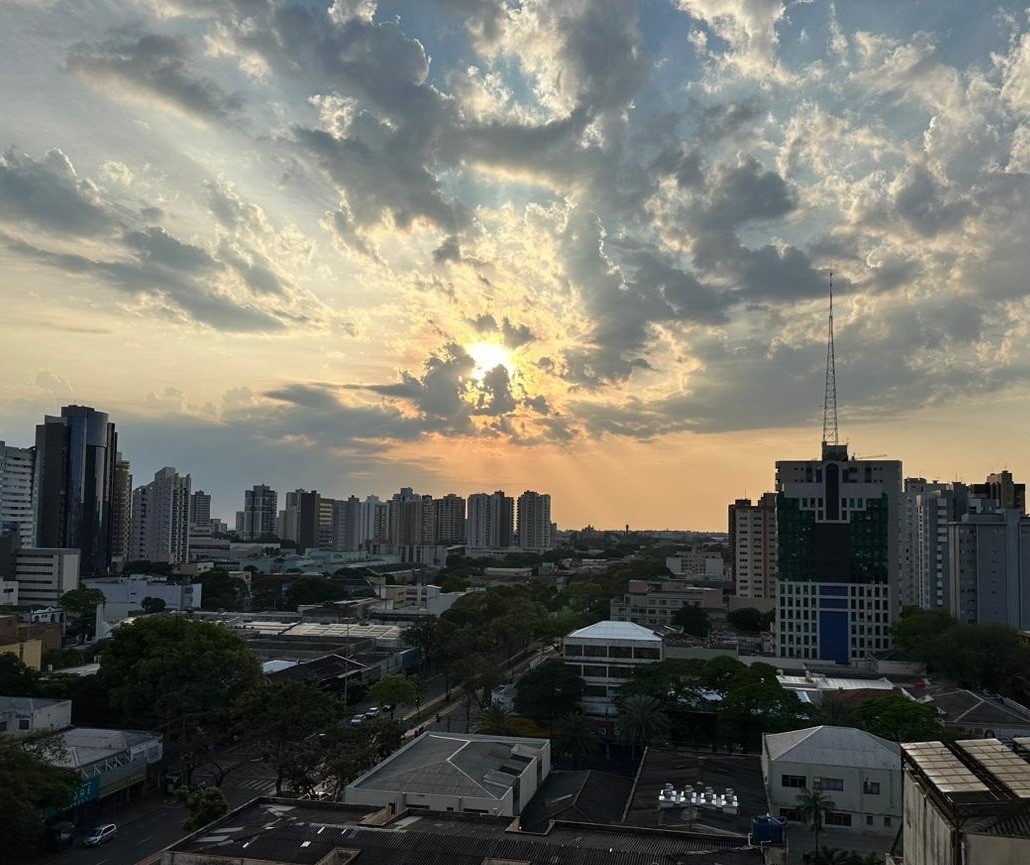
point(966, 802)
point(475, 774)
point(860, 772)
point(605, 655)
point(653, 604)
point(812, 687)
point(124, 595)
point(23, 716)
point(291, 832)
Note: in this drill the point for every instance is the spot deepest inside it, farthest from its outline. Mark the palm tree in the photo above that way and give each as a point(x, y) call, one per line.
point(641, 720)
point(497, 720)
point(577, 737)
point(813, 806)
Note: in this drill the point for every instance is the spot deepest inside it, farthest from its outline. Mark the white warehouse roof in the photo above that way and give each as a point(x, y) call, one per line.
point(833, 746)
point(615, 631)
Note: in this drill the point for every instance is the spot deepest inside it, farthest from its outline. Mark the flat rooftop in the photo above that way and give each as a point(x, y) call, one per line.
point(291, 831)
point(697, 770)
point(453, 764)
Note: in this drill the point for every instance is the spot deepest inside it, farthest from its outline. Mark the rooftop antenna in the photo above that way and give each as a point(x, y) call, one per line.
point(830, 435)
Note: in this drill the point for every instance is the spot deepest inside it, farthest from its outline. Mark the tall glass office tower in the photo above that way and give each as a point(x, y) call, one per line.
point(76, 455)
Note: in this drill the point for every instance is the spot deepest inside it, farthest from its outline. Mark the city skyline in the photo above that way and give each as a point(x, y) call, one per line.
point(574, 247)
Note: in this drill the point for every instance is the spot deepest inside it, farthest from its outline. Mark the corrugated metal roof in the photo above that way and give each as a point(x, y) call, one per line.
point(834, 746)
point(616, 631)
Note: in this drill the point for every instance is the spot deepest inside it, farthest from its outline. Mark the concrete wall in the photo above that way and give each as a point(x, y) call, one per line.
point(995, 850)
point(55, 716)
point(852, 799)
point(29, 652)
point(927, 836)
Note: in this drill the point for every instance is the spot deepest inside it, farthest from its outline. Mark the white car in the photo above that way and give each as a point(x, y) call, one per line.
point(357, 720)
point(372, 713)
point(100, 835)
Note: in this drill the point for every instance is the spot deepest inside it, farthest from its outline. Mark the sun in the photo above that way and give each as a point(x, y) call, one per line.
point(488, 356)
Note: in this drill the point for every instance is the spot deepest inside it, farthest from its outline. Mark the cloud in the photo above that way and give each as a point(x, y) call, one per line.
point(49, 195)
point(153, 68)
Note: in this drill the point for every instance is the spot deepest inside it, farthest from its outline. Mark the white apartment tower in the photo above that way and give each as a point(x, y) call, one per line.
point(534, 522)
point(491, 518)
point(752, 536)
point(161, 519)
point(16, 512)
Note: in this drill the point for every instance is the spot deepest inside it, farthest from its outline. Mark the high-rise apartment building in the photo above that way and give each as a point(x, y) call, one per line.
point(491, 521)
point(534, 522)
point(989, 568)
point(405, 515)
point(200, 510)
point(16, 469)
point(347, 524)
point(257, 520)
point(121, 511)
point(44, 575)
point(73, 484)
point(161, 519)
point(449, 519)
point(839, 541)
point(1000, 488)
point(928, 507)
point(753, 547)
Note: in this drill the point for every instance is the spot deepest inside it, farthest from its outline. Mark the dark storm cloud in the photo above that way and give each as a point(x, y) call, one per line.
point(744, 192)
point(49, 195)
point(375, 168)
point(154, 66)
point(924, 203)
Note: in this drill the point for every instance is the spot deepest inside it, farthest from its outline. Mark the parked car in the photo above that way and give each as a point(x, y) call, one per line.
point(372, 713)
point(100, 835)
point(387, 707)
point(357, 720)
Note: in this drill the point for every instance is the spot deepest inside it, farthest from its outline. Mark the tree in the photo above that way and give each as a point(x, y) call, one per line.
point(30, 784)
point(549, 691)
point(394, 690)
point(178, 674)
point(916, 627)
point(279, 718)
point(693, 619)
point(425, 635)
point(899, 719)
point(315, 590)
point(641, 720)
point(746, 619)
point(220, 591)
point(81, 607)
point(497, 720)
point(577, 737)
point(205, 806)
point(833, 712)
point(16, 678)
point(812, 807)
point(152, 605)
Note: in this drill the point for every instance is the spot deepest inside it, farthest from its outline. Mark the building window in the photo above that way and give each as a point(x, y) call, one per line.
point(869, 819)
point(793, 781)
point(789, 813)
point(829, 783)
point(886, 821)
point(23, 723)
point(871, 788)
point(838, 818)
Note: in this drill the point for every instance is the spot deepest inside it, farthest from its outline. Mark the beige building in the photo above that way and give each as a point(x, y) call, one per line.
point(752, 535)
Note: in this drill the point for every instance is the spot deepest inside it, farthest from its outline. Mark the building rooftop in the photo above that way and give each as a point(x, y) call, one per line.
point(833, 746)
point(82, 746)
point(26, 704)
point(616, 631)
point(587, 796)
point(288, 831)
point(456, 764)
point(959, 707)
point(698, 770)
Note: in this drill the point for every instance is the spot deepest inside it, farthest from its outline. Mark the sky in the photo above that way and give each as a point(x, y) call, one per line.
point(460, 245)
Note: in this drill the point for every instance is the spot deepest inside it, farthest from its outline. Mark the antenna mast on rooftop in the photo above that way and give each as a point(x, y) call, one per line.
point(830, 435)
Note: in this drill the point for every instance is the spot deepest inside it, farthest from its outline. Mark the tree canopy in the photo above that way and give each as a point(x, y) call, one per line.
point(30, 784)
point(279, 717)
point(81, 607)
point(693, 619)
point(160, 668)
point(550, 691)
point(899, 719)
point(394, 689)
